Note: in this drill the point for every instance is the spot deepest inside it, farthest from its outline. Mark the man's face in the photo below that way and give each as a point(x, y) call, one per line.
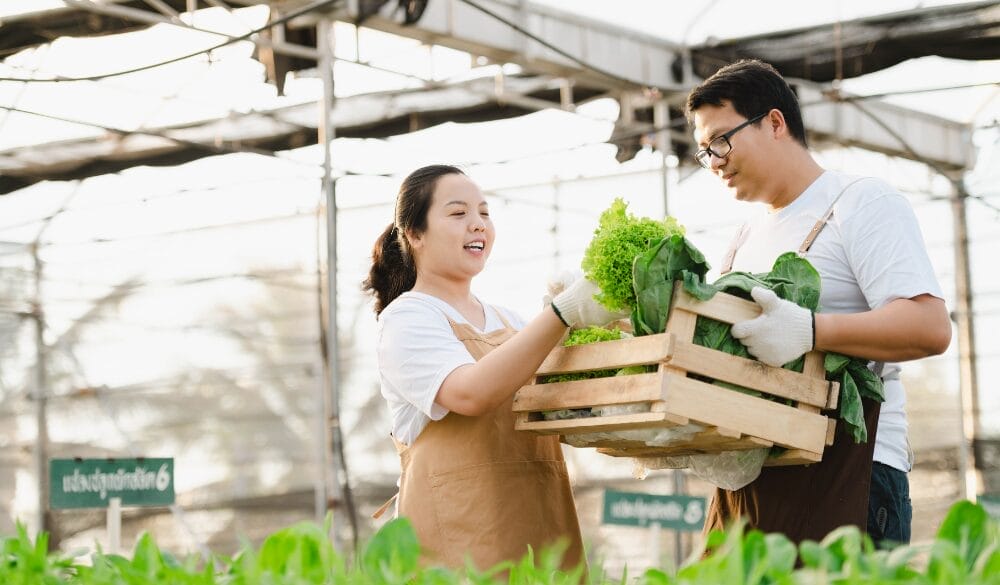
point(747, 165)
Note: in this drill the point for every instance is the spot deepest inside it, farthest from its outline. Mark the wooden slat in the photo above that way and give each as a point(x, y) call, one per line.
point(597, 424)
point(813, 365)
point(681, 323)
point(712, 405)
point(709, 436)
point(647, 349)
point(750, 374)
point(586, 393)
point(702, 444)
point(722, 307)
point(793, 457)
point(834, 396)
point(660, 406)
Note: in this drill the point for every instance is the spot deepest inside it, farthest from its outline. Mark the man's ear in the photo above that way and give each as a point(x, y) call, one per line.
point(776, 123)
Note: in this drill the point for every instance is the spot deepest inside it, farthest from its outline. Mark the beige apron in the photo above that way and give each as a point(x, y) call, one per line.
point(475, 488)
point(804, 501)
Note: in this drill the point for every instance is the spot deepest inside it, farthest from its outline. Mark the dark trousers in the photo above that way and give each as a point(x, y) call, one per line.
point(889, 510)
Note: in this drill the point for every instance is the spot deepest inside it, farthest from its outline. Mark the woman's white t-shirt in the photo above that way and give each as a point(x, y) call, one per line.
point(870, 253)
point(417, 349)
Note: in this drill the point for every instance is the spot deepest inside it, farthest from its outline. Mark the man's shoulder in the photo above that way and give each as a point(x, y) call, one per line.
point(858, 186)
point(855, 193)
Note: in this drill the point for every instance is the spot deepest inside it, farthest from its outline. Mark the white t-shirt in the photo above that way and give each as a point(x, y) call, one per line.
point(870, 253)
point(417, 349)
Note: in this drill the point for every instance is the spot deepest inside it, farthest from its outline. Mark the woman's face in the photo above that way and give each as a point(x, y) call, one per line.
point(459, 235)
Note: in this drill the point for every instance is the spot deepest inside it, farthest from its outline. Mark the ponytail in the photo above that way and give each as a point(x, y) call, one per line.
point(392, 272)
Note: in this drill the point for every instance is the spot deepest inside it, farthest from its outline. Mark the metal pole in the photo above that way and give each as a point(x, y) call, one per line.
point(322, 446)
point(661, 119)
point(555, 225)
point(968, 384)
point(680, 488)
point(661, 116)
point(655, 531)
point(40, 395)
point(114, 525)
point(324, 36)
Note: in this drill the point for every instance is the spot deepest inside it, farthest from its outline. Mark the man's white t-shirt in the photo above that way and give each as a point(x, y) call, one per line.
point(417, 349)
point(870, 253)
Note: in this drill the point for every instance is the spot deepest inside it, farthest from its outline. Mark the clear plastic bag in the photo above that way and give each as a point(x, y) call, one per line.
point(650, 437)
point(729, 470)
point(567, 413)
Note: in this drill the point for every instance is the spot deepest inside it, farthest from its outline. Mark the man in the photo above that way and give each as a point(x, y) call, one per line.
point(879, 300)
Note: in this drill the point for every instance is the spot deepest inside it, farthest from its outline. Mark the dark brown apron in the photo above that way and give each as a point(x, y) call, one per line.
point(804, 501)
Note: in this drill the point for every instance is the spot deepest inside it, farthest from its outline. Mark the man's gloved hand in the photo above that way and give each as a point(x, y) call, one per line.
point(783, 331)
point(577, 308)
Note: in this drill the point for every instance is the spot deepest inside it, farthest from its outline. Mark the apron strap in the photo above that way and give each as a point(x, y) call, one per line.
point(400, 448)
point(734, 245)
point(500, 316)
point(821, 223)
point(382, 509)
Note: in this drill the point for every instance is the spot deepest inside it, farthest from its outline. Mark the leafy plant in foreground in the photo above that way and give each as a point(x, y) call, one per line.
point(965, 552)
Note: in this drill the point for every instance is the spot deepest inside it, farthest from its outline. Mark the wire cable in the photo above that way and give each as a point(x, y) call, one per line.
point(514, 26)
point(909, 149)
point(212, 148)
point(849, 98)
point(318, 5)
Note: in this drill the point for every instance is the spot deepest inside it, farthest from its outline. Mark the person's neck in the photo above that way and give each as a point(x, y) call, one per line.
point(803, 170)
point(454, 292)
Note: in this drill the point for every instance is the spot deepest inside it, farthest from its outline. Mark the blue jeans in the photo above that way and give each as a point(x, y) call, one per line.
point(889, 510)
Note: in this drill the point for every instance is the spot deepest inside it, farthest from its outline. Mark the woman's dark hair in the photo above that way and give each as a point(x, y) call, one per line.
point(393, 272)
point(752, 87)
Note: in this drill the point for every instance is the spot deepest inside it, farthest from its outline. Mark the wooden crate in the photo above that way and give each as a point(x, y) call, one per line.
point(733, 420)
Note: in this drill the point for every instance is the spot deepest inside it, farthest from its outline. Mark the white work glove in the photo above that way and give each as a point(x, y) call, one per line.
point(577, 308)
point(781, 333)
point(558, 284)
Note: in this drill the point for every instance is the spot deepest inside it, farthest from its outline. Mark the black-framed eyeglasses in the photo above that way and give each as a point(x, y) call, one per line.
point(720, 147)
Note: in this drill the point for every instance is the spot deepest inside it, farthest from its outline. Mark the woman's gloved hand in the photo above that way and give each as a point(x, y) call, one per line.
point(577, 308)
point(781, 333)
point(558, 283)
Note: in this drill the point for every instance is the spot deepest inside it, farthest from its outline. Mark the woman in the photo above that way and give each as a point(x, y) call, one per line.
point(449, 365)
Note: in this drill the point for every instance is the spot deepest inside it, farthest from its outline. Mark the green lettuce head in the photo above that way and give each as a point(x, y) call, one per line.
point(620, 237)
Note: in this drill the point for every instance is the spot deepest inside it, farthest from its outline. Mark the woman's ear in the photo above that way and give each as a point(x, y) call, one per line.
point(415, 240)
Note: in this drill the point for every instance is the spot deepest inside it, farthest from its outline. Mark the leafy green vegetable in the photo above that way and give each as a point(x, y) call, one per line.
point(653, 274)
point(580, 337)
point(618, 239)
point(591, 335)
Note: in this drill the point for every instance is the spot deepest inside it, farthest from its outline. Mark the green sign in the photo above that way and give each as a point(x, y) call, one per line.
point(88, 483)
point(638, 509)
point(990, 503)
